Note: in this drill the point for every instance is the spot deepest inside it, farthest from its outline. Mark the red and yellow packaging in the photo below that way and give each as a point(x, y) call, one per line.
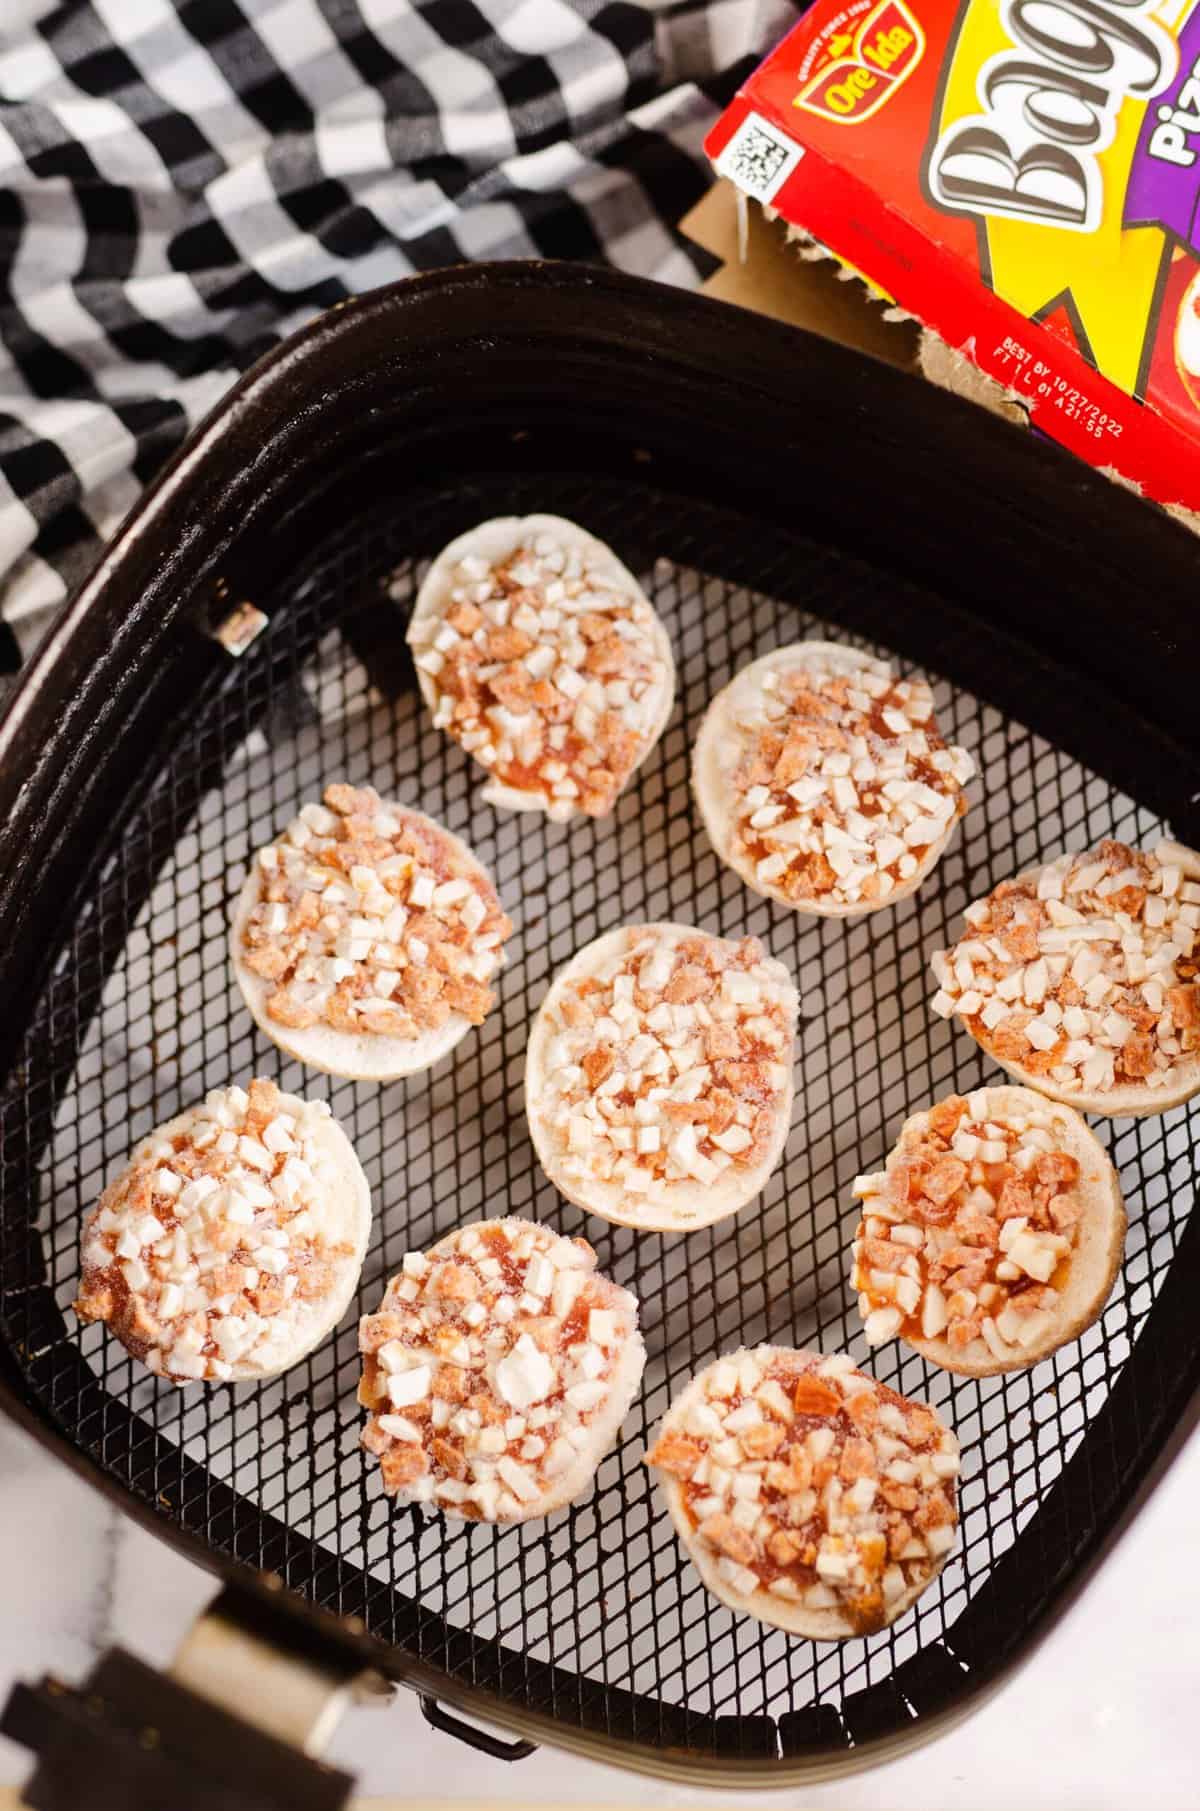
point(1021, 175)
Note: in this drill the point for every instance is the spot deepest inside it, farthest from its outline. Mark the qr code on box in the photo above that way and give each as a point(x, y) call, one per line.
point(758, 158)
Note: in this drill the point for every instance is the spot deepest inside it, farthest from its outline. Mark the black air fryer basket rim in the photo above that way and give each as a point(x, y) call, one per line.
point(723, 403)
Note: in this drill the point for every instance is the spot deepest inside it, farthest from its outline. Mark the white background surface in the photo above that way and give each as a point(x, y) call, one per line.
point(1102, 1717)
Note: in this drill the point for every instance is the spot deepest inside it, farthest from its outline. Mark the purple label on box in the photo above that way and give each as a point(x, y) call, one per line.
point(1164, 178)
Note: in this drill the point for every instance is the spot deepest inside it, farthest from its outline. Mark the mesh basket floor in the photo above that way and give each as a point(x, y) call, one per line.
point(602, 1594)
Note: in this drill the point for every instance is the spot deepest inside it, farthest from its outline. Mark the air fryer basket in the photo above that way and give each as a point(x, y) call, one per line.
point(766, 487)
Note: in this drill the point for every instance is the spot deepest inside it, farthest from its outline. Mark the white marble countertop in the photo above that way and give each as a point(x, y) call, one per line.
point(1102, 1715)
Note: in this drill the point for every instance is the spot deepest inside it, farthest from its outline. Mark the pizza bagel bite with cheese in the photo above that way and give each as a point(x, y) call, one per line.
point(807, 1494)
point(497, 1372)
point(822, 779)
point(993, 1235)
point(658, 1075)
point(1081, 978)
point(231, 1244)
point(366, 938)
point(539, 652)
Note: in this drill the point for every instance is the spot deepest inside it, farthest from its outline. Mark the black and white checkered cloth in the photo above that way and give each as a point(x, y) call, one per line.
point(182, 182)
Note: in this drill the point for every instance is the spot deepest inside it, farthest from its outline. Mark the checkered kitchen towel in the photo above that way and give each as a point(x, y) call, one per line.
point(184, 181)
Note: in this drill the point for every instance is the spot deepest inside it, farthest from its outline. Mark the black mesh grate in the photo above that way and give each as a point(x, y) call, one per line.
point(596, 1618)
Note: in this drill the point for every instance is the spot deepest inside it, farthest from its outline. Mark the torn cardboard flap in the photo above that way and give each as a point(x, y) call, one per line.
point(766, 267)
point(772, 279)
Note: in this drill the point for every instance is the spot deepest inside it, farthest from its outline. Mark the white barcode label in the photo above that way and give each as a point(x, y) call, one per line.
point(758, 158)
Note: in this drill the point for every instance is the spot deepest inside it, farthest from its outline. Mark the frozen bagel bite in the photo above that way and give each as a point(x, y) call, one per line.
point(806, 1494)
point(1082, 978)
point(539, 652)
point(658, 1076)
point(992, 1236)
point(366, 938)
point(822, 779)
point(231, 1244)
point(497, 1372)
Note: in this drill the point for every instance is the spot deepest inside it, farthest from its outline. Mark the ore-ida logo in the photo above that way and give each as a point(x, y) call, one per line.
point(1050, 103)
point(862, 66)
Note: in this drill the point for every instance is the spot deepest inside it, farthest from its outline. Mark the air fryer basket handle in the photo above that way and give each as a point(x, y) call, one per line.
point(439, 1718)
point(236, 1725)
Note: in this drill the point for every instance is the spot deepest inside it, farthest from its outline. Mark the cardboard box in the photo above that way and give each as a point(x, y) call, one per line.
point(1016, 174)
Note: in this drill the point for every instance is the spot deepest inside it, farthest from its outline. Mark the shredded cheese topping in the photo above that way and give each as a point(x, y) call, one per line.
point(668, 1066)
point(547, 671)
point(487, 1367)
point(372, 919)
point(1084, 972)
point(967, 1234)
point(805, 1480)
point(223, 1238)
point(841, 782)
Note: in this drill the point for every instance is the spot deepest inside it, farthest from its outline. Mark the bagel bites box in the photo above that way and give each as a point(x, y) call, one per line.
point(1023, 176)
